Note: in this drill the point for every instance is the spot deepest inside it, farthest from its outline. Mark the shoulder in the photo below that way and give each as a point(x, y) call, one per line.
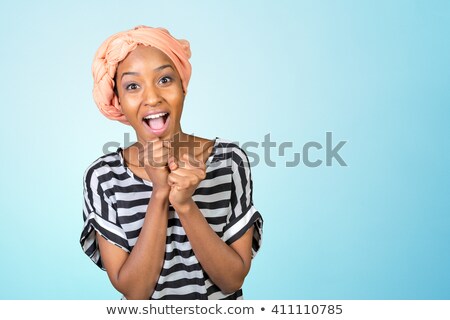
point(230, 147)
point(231, 152)
point(103, 165)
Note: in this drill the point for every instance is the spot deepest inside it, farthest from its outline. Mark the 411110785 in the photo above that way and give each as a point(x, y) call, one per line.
point(307, 309)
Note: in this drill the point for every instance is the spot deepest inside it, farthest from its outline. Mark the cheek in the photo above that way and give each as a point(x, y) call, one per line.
point(130, 110)
point(177, 100)
point(129, 103)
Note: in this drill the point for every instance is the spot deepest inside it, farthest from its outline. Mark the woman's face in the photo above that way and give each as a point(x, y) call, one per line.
point(150, 93)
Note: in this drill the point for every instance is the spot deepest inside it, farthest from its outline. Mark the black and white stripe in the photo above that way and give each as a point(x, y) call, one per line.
point(115, 203)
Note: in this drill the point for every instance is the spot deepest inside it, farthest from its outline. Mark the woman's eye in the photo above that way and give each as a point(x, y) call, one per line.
point(132, 86)
point(165, 80)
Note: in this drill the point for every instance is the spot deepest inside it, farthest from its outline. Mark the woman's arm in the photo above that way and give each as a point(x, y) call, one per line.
point(227, 266)
point(135, 274)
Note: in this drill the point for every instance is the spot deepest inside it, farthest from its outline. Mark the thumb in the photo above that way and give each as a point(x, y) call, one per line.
point(172, 163)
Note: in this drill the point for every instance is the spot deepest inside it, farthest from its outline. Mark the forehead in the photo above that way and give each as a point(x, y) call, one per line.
point(144, 56)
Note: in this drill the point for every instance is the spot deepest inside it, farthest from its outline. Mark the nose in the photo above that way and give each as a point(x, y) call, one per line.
point(152, 96)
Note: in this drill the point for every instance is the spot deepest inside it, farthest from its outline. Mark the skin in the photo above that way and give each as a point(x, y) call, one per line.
point(175, 170)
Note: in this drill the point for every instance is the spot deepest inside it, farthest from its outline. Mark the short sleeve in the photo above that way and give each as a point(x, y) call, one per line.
point(243, 214)
point(99, 215)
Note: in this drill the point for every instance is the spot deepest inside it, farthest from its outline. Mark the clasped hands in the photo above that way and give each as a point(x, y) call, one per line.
point(173, 173)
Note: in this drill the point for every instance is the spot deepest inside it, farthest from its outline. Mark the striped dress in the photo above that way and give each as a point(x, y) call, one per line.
point(115, 204)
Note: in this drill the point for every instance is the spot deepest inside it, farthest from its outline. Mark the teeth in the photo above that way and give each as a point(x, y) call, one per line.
point(154, 116)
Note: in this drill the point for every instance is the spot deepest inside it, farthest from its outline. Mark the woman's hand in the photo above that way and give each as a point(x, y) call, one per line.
point(184, 178)
point(154, 157)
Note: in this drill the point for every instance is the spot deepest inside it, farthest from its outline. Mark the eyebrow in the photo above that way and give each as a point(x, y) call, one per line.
point(129, 73)
point(137, 73)
point(163, 67)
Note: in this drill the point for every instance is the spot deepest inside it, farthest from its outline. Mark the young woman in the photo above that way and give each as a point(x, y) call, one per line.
point(170, 217)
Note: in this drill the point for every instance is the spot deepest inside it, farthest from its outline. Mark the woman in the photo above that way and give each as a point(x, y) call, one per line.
point(170, 217)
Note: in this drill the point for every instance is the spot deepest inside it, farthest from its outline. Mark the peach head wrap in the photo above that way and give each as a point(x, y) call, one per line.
point(117, 47)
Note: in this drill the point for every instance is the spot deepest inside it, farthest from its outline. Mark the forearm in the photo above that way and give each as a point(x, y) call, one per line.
point(222, 263)
point(137, 277)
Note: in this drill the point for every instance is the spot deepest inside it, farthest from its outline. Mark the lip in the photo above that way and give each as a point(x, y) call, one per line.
point(158, 132)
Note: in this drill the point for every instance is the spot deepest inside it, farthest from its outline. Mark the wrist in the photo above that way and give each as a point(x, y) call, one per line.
point(160, 193)
point(185, 207)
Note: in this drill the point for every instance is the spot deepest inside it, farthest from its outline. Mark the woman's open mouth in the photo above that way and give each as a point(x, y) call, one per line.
point(157, 123)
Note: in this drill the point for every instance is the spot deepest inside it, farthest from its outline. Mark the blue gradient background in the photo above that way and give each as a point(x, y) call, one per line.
point(376, 74)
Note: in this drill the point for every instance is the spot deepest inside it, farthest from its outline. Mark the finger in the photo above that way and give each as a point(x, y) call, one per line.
point(156, 154)
point(182, 175)
point(187, 177)
point(192, 174)
point(172, 163)
point(150, 170)
point(157, 160)
point(171, 181)
point(191, 162)
point(175, 180)
point(195, 166)
point(181, 172)
point(166, 144)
